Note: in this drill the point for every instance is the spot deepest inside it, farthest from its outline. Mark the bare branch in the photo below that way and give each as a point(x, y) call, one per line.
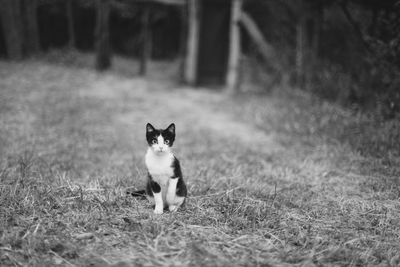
point(355, 25)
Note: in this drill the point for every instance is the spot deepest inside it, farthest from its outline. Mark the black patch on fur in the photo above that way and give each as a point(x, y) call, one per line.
point(181, 190)
point(155, 187)
point(149, 192)
point(168, 134)
point(152, 186)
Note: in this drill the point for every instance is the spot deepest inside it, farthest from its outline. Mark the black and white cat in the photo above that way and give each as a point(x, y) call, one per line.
point(165, 186)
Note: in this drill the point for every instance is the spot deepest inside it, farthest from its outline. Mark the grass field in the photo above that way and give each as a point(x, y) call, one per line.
point(274, 180)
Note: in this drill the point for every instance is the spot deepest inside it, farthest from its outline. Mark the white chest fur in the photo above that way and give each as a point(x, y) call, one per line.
point(159, 166)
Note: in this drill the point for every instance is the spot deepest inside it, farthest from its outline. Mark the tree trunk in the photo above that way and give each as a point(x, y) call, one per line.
point(103, 51)
point(300, 46)
point(30, 27)
point(146, 40)
point(308, 31)
point(192, 42)
point(182, 40)
point(70, 19)
point(318, 17)
point(12, 28)
point(234, 46)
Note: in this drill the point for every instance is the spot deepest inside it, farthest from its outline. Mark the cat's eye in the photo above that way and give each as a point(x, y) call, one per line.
point(154, 141)
point(166, 142)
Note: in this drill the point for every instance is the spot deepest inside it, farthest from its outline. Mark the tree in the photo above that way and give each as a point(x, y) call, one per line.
point(190, 69)
point(30, 27)
point(234, 46)
point(20, 27)
point(102, 35)
point(308, 30)
point(70, 18)
point(183, 13)
point(146, 41)
point(12, 27)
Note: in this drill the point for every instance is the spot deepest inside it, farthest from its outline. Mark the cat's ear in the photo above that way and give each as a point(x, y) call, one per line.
point(171, 128)
point(149, 128)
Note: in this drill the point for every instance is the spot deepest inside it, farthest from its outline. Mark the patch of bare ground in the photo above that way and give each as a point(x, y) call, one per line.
point(272, 181)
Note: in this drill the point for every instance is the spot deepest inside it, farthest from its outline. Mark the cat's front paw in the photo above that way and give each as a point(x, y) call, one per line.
point(158, 211)
point(172, 208)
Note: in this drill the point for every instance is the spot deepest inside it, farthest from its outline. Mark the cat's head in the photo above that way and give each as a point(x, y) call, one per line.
point(160, 140)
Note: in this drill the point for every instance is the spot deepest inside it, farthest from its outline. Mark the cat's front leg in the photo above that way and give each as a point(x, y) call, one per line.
point(173, 199)
point(172, 208)
point(171, 191)
point(159, 205)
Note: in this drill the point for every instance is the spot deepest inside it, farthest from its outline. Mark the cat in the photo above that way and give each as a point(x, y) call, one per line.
point(165, 185)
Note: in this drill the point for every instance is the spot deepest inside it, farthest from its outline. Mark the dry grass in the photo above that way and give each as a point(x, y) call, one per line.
point(273, 180)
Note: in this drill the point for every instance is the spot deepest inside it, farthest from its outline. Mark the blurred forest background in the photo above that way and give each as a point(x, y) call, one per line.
point(347, 51)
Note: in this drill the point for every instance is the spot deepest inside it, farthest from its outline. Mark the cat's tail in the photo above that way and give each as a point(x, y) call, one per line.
point(138, 193)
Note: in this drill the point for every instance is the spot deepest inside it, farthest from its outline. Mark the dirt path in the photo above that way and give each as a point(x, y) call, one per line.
point(187, 107)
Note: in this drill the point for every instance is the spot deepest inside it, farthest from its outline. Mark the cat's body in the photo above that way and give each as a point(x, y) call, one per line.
point(165, 186)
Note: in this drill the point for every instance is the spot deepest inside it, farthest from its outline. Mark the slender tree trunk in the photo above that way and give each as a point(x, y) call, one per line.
point(234, 46)
point(70, 19)
point(30, 27)
point(192, 42)
point(182, 40)
point(146, 40)
point(103, 50)
point(12, 27)
point(300, 46)
point(318, 17)
point(308, 31)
